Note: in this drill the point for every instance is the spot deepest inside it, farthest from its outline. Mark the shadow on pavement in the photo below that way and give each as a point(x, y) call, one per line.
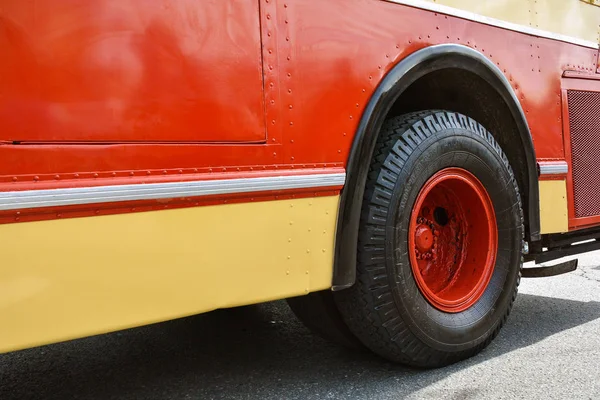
point(257, 352)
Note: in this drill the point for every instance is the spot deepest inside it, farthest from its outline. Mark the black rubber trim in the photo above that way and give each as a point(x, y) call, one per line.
point(405, 73)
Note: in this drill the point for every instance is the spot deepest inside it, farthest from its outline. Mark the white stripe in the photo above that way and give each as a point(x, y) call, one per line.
point(425, 5)
point(151, 191)
point(553, 167)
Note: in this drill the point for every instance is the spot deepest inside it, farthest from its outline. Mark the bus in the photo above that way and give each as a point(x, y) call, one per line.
point(387, 166)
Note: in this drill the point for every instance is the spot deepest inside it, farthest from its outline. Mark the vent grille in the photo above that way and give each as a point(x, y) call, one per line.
point(584, 123)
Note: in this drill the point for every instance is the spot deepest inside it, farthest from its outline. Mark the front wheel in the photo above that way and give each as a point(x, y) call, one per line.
point(439, 252)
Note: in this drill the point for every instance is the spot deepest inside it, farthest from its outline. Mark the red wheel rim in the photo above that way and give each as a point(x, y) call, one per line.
point(453, 240)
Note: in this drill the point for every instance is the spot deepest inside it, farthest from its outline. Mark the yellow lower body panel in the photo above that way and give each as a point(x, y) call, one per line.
point(71, 278)
point(554, 213)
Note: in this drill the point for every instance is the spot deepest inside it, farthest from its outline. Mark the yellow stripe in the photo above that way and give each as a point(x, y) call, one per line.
point(70, 278)
point(554, 214)
point(576, 18)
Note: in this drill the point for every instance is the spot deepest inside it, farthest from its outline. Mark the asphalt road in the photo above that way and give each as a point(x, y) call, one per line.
point(550, 348)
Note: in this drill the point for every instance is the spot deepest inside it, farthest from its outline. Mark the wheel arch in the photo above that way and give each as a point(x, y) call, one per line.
point(393, 95)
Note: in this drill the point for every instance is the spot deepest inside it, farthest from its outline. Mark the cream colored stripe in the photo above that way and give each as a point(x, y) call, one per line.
point(554, 214)
point(571, 21)
point(70, 278)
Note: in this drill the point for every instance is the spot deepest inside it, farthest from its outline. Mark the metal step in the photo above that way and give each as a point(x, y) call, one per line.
point(552, 270)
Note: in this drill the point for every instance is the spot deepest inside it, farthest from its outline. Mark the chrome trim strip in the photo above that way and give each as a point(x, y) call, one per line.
point(425, 5)
point(152, 191)
point(553, 168)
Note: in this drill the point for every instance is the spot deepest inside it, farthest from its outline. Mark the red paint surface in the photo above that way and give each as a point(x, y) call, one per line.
point(321, 62)
point(453, 269)
point(130, 70)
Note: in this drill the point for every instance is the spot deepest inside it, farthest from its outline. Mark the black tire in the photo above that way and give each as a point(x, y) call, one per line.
point(318, 312)
point(385, 308)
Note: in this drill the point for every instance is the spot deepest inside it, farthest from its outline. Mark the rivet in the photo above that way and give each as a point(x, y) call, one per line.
point(76, 175)
point(131, 173)
point(307, 274)
point(58, 215)
point(370, 77)
point(269, 34)
point(351, 117)
point(270, 66)
point(272, 101)
point(291, 123)
point(292, 158)
point(14, 178)
point(147, 172)
point(273, 122)
point(133, 209)
point(290, 239)
point(95, 176)
point(268, 16)
point(271, 84)
point(306, 290)
point(289, 90)
point(164, 171)
point(285, 5)
point(287, 39)
point(180, 171)
point(344, 133)
point(274, 154)
point(291, 205)
point(323, 250)
point(17, 218)
point(327, 212)
point(291, 106)
point(272, 140)
point(286, 21)
point(114, 174)
point(287, 272)
point(339, 151)
point(18, 213)
point(97, 212)
point(36, 178)
point(308, 251)
point(58, 176)
point(289, 75)
point(291, 140)
point(196, 169)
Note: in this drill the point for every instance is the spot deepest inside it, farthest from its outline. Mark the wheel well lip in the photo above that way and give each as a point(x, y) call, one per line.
point(396, 81)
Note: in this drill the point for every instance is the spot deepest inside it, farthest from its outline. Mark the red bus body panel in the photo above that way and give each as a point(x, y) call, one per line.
point(131, 71)
point(155, 75)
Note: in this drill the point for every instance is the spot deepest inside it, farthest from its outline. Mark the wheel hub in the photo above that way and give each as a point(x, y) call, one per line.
point(424, 238)
point(452, 240)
